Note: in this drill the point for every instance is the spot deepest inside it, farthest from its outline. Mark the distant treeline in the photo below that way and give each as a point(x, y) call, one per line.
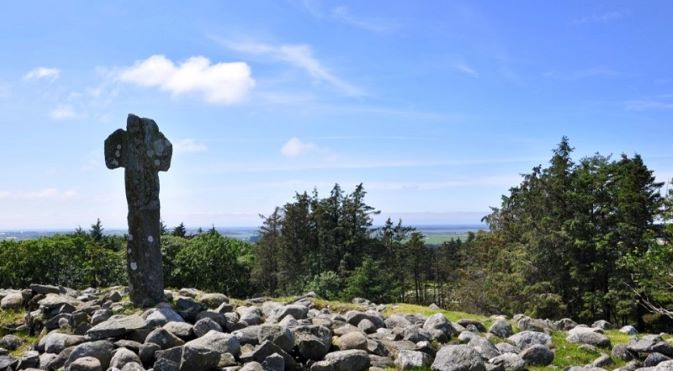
point(588, 239)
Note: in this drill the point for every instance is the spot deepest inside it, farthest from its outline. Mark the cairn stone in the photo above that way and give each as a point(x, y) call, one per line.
point(143, 151)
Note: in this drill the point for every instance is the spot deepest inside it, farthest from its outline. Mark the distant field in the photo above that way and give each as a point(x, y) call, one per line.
point(434, 234)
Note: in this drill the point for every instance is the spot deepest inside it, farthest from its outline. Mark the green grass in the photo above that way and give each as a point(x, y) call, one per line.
point(426, 311)
point(27, 342)
point(11, 317)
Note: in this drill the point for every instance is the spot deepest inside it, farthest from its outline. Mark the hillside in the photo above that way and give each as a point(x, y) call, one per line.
point(49, 327)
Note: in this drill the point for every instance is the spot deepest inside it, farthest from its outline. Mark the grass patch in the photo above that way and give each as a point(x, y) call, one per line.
point(28, 341)
point(337, 306)
point(10, 318)
point(426, 311)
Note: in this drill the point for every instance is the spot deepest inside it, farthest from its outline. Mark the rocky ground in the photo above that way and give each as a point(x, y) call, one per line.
point(55, 328)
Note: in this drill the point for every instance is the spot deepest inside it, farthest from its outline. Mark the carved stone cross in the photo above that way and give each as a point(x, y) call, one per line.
point(143, 151)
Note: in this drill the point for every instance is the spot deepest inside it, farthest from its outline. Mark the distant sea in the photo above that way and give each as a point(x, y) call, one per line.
point(435, 234)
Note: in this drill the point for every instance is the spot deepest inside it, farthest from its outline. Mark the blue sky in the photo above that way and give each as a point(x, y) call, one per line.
point(436, 106)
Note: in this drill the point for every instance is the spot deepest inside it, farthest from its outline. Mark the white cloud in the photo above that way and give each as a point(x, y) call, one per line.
point(301, 56)
point(465, 69)
point(343, 14)
point(64, 112)
point(43, 73)
point(661, 102)
point(42, 194)
point(295, 147)
point(188, 145)
point(221, 83)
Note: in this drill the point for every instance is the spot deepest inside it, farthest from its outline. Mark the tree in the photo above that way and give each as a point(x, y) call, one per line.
point(163, 228)
point(180, 230)
point(96, 231)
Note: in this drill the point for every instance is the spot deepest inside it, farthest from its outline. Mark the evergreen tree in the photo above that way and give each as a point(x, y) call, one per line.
point(180, 230)
point(96, 231)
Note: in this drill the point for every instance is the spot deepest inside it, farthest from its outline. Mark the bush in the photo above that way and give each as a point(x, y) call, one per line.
point(73, 260)
point(370, 281)
point(213, 262)
point(326, 285)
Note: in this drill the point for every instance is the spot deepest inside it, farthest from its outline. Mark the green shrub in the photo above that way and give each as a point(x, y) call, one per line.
point(326, 285)
point(214, 263)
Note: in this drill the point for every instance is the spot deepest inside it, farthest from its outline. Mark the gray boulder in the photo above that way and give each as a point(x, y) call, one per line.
point(86, 364)
point(352, 340)
point(629, 330)
point(524, 339)
point(278, 335)
point(101, 350)
point(117, 325)
point(484, 347)
point(12, 301)
point(537, 355)
point(344, 360)
point(508, 362)
point(588, 335)
point(440, 327)
point(213, 300)
point(458, 358)
point(10, 342)
point(202, 326)
point(161, 315)
point(408, 359)
point(163, 338)
point(501, 328)
point(122, 356)
point(205, 352)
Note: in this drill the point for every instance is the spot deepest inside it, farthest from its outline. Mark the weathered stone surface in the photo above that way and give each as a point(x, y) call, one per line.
point(122, 356)
point(278, 335)
point(213, 300)
point(202, 326)
point(143, 151)
point(163, 338)
point(588, 335)
point(205, 352)
point(629, 330)
point(55, 342)
point(440, 327)
point(10, 342)
point(509, 362)
point(161, 315)
point(347, 360)
point(183, 330)
point(538, 355)
point(8, 362)
point(524, 339)
point(116, 326)
point(484, 347)
point(101, 350)
point(501, 328)
point(12, 301)
point(352, 340)
point(408, 359)
point(458, 358)
point(86, 364)
point(267, 348)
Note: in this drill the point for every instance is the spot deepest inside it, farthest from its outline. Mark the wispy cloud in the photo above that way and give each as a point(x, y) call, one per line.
point(189, 145)
point(658, 103)
point(300, 56)
point(610, 16)
point(43, 73)
point(64, 112)
point(466, 69)
point(344, 15)
point(592, 72)
point(295, 147)
point(41, 194)
point(221, 83)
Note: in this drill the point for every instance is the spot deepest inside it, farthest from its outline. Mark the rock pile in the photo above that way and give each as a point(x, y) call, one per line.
point(94, 330)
